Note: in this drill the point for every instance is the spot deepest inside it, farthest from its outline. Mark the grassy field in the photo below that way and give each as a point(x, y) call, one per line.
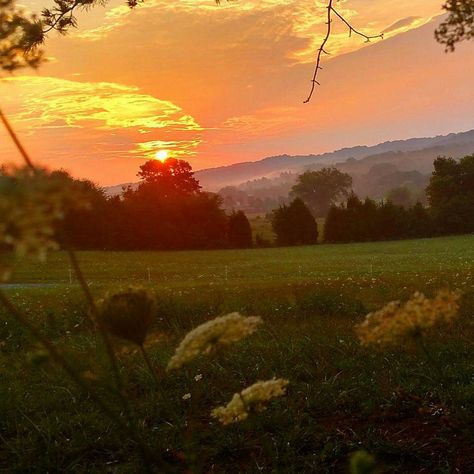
point(414, 411)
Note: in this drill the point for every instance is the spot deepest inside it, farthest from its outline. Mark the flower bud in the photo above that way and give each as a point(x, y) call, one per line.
point(128, 314)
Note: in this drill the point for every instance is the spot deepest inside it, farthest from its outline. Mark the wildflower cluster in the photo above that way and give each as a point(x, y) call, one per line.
point(208, 337)
point(395, 322)
point(251, 399)
point(32, 201)
point(128, 314)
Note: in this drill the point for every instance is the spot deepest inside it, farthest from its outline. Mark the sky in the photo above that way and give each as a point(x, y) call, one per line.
point(220, 84)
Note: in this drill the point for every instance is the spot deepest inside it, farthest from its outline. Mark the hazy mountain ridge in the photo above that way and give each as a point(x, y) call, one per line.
point(454, 144)
point(414, 154)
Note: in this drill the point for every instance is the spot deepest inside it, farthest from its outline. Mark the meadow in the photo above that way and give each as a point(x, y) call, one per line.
point(412, 410)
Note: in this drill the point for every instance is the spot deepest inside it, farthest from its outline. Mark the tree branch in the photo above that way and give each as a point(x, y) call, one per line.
point(321, 49)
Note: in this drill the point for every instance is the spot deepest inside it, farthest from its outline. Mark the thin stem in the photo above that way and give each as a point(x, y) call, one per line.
point(59, 359)
point(79, 274)
point(103, 333)
point(147, 360)
point(128, 428)
point(422, 344)
point(16, 140)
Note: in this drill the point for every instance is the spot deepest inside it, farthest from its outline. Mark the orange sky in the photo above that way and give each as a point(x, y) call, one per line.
point(223, 84)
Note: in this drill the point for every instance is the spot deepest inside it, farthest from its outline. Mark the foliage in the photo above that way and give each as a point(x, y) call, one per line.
point(294, 224)
point(239, 232)
point(402, 196)
point(343, 397)
point(168, 178)
point(167, 211)
point(451, 195)
point(359, 221)
point(321, 189)
point(459, 25)
point(20, 35)
point(32, 202)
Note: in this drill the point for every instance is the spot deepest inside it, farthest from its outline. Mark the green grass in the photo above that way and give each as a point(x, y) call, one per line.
point(414, 413)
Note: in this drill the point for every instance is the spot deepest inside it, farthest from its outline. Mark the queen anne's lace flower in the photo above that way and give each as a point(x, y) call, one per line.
point(208, 337)
point(396, 322)
point(128, 314)
point(251, 399)
point(31, 203)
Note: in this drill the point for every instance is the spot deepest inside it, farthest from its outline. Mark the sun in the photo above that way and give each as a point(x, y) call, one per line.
point(162, 155)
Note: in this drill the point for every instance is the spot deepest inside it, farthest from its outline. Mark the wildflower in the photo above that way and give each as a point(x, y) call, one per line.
point(395, 322)
point(208, 337)
point(186, 396)
point(31, 204)
point(251, 399)
point(128, 314)
point(198, 377)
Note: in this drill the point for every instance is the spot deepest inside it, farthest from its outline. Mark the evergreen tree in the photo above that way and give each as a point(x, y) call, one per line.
point(451, 195)
point(239, 232)
point(294, 224)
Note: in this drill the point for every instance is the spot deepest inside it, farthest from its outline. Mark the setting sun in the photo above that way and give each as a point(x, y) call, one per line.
point(162, 155)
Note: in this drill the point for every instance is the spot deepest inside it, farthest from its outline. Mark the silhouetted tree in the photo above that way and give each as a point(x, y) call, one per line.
point(321, 189)
point(451, 195)
point(239, 232)
point(357, 221)
point(459, 25)
point(169, 178)
point(294, 224)
point(88, 227)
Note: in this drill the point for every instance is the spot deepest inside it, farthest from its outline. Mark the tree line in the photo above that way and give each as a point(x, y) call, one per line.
point(450, 209)
point(167, 211)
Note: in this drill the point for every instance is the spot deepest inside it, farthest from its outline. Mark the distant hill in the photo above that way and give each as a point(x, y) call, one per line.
point(412, 154)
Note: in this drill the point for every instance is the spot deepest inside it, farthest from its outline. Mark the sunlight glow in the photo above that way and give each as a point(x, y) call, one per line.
point(162, 155)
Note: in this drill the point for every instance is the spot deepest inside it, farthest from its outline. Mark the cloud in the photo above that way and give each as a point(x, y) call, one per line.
point(176, 149)
point(68, 123)
point(54, 102)
point(404, 23)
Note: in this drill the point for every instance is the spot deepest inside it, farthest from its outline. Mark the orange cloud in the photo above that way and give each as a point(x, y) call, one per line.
point(71, 120)
point(218, 84)
point(48, 101)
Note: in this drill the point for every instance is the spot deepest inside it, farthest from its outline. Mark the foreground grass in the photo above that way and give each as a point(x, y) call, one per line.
point(413, 411)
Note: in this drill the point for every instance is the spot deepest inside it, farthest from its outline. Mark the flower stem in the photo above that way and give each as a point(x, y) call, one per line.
point(147, 360)
point(16, 140)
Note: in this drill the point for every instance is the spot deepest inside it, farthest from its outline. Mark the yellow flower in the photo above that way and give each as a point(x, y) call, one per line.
point(395, 322)
point(251, 399)
point(208, 337)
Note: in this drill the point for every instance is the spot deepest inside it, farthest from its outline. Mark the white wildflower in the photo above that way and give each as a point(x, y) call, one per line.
point(210, 336)
point(251, 399)
point(395, 322)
